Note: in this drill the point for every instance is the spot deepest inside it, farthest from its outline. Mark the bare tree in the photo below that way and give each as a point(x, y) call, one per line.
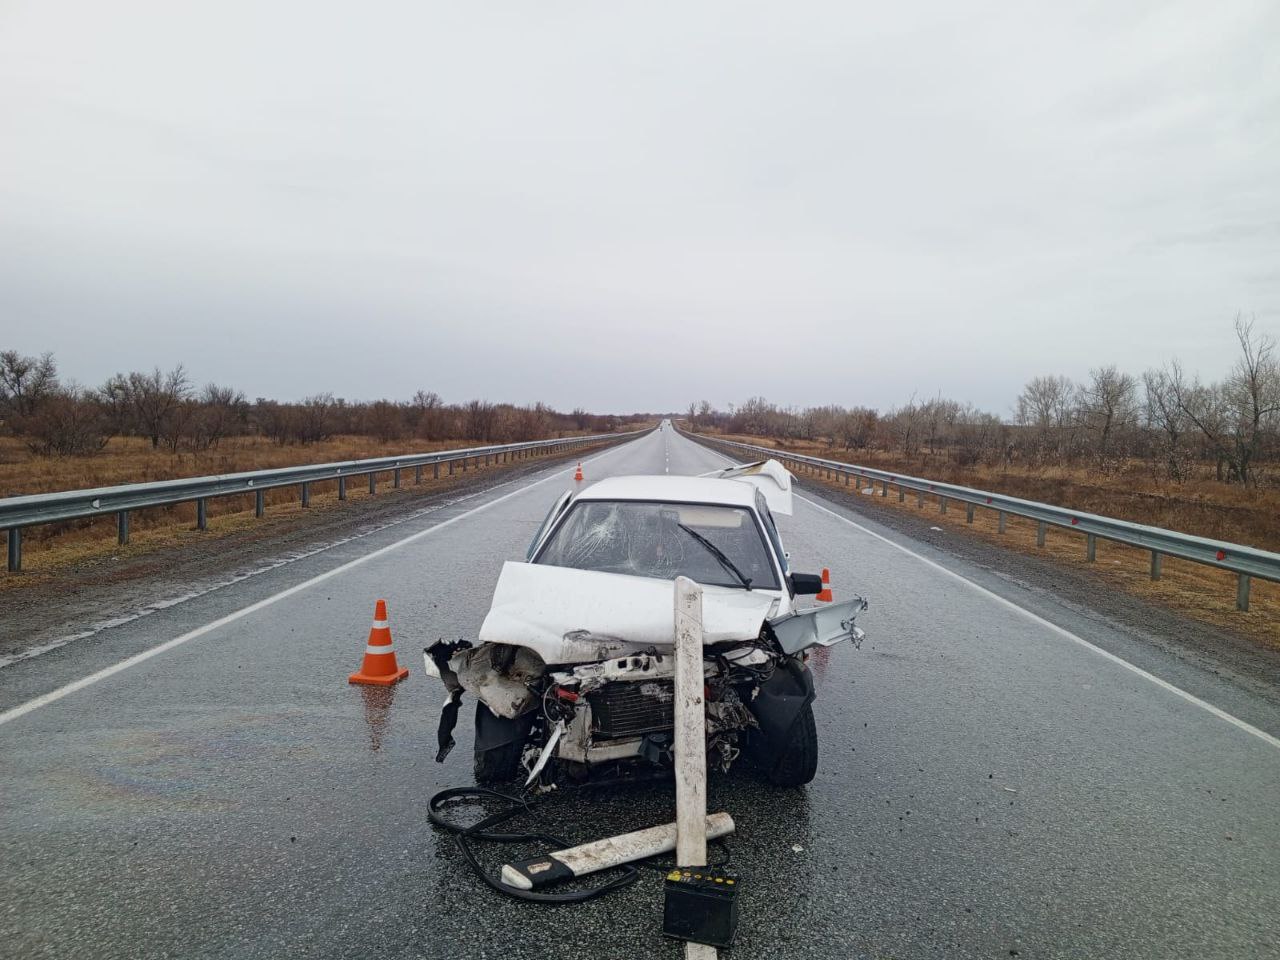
point(155, 399)
point(427, 416)
point(314, 418)
point(1166, 417)
point(67, 422)
point(1107, 405)
point(1046, 405)
point(223, 412)
point(905, 422)
point(385, 421)
point(25, 382)
point(1234, 416)
point(481, 417)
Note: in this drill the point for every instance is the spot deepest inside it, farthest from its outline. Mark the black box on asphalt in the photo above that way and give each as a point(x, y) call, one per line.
point(701, 905)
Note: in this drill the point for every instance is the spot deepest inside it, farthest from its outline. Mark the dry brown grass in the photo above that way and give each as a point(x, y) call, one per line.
point(51, 547)
point(1200, 592)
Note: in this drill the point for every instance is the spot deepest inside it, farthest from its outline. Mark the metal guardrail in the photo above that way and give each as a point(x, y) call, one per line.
point(1245, 562)
point(19, 512)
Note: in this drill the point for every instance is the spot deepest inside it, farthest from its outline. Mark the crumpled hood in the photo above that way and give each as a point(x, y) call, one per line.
point(576, 616)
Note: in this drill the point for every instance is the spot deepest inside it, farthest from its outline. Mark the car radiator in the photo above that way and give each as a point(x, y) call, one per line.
point(620, 710)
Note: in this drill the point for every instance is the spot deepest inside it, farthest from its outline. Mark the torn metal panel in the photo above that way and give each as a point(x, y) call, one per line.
point(768, 476)
point(821, 626)
point(505, 685)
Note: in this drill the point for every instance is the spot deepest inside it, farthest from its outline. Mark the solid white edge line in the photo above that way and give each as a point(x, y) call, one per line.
point(22, 709)
point(1060, 631)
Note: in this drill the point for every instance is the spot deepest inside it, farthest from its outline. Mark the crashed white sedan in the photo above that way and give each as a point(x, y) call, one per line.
point(573, 669)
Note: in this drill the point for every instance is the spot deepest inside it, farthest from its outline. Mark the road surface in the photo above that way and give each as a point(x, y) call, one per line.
point(993, 782)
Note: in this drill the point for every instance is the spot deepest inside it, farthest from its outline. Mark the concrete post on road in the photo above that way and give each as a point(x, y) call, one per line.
point(690, 740)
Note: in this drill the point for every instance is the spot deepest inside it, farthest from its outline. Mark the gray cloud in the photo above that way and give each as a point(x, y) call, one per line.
point(632, 206)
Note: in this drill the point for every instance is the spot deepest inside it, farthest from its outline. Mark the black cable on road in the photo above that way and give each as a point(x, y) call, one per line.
point(483, 831)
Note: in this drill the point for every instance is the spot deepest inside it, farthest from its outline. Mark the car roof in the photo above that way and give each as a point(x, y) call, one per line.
point(672, 489)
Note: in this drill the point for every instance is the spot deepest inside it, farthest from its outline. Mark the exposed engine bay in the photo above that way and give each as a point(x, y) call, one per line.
point(582, 715)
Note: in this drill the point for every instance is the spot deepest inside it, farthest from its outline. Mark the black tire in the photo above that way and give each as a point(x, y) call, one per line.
point(797, 762)
point(499, 763)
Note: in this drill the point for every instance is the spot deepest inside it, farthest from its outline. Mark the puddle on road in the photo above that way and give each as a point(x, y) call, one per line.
point(377, 712)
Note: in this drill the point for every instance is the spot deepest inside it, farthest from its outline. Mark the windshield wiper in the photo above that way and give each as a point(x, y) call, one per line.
point(718, 554)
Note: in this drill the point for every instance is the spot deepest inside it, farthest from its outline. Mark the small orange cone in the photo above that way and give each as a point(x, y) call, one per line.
point(825, 593)
point(578, 473)
point(379, 667)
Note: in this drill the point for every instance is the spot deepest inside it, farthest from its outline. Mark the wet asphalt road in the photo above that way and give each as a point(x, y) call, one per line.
point(988, 787)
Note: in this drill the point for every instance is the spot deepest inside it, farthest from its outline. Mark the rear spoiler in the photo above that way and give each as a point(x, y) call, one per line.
point(769, 476)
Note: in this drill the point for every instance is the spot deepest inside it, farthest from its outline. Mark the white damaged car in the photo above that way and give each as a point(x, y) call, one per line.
point(573, 668)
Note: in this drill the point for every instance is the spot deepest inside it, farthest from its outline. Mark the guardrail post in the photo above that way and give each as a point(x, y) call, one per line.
point(435, 470)
point(342, 488)
point(919, 498)
point(373, 484)
point(202, 514)
point(902, 494)
point(395, 479)
point(306, 494)
point(1002, 520)
point(1040, 533)
point(451, 468)
point(846, 479)
point(417, 474)
point(15, 549)
point(259, 503)
point(884, 488)
point(1242, 592)
point(968, 513)
point(122, 527)
point(464, 464)
point(486, 460)
point(942, 504)
point(1156, 558)
point(1090, 547)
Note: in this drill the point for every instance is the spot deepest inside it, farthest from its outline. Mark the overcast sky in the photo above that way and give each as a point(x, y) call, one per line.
point(633, 205)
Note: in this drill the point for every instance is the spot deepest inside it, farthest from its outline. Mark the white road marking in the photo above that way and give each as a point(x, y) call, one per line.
point(54, 695)
point(1061, 631)
point(1050, 625)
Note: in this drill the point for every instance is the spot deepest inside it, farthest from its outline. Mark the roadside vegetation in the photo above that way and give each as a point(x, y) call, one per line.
point(157, 425)
point(1161, 448)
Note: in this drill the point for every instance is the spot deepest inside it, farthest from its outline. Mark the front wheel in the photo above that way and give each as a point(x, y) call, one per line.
point(797, 762)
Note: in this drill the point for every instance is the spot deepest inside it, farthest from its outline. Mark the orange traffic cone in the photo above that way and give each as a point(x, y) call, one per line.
point(825, 593)
point(578, 473)
point(379, 667)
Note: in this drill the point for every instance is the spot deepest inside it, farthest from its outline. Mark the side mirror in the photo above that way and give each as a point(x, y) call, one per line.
point(808, 584)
